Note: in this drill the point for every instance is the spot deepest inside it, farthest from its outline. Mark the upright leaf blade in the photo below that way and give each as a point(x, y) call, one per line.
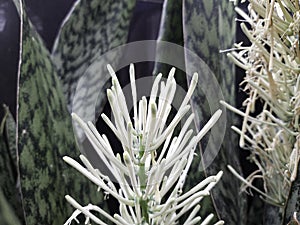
point(44, 136)
point(10, 201)
point(209, 27)
point(171, 30)
point(90, 30)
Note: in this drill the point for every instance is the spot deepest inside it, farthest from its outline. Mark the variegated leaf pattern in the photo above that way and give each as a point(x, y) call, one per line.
point(92, 28)
point(10, 133)
point(209, 26)
point(171, 30)
point(44, 136)
point(8, 169)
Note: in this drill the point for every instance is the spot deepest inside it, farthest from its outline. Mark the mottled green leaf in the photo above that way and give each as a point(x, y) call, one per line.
point(209, 26)
point(7, 214)
point(204, 28)
point(44, 136)
point(171, 30)
point(10, 133)
point(8, 164)
point(91, 29)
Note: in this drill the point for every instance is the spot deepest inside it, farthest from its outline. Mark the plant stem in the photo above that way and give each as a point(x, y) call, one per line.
point(143, 181)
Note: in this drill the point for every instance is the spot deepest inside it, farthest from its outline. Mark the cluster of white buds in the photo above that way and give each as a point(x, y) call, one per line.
point(152, 170)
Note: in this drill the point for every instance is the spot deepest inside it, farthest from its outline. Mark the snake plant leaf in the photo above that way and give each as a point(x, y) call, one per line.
point(171, 30)
point(92, 29)
point(7, 214)
point(272, 215)
point(10, 210)
point(8, 167)
point(8, 132)
point(44, 136)
point(293, 203)
point(209, 26)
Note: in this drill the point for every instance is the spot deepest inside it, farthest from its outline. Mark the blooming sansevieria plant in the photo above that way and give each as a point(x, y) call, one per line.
point(154, 164)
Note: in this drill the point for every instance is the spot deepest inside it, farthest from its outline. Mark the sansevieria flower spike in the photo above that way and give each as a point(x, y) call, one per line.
point(270, 128)
point(154, 164)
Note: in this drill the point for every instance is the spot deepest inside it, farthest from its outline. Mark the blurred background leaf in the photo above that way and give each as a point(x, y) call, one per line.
point(171, 30)
point(7, 213)
point(9, 184)
point(209, 26)
point(91, 29)
point(205, 28)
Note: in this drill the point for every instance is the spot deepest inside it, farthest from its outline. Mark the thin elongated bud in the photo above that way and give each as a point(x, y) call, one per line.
point(97, 181)
point(190, 90)
point(111, 70)
point(192, 215)
point(82, 209)
point(196, 220)
point(134, 94)
point(207, 219)
point(155, 86)
point(132, 174)
point(110, 96)
point(209, 124)
point(171, 73)
point(202, 184)
point(221, 222)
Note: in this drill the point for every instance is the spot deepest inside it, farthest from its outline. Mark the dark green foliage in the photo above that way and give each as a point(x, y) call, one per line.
point(209, 27)
point(9, 188)
point(44, 136)
point(206, 27)
point(91, 29)
point(7, 214)
point(171, 30)
point(272, 215)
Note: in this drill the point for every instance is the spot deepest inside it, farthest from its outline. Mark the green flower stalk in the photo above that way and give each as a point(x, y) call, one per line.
point(272, 78)
point(152, 169)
